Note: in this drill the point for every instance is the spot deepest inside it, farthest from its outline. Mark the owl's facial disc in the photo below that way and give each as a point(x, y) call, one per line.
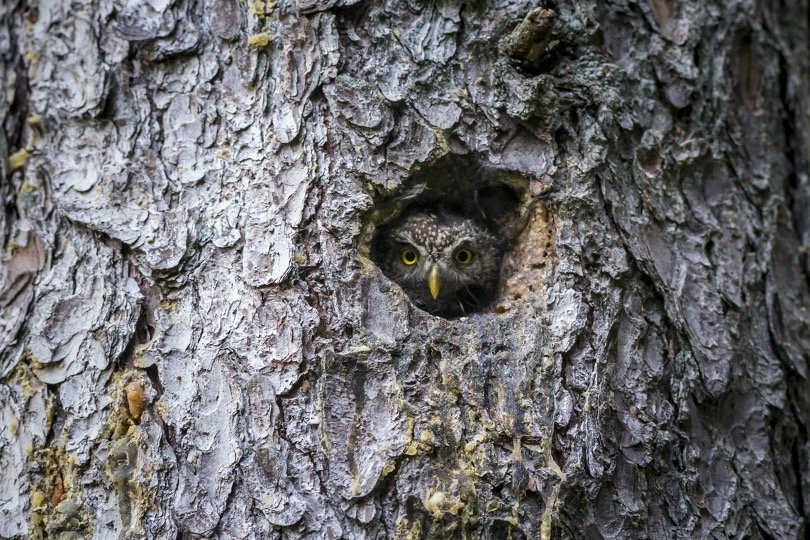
point(445, 263)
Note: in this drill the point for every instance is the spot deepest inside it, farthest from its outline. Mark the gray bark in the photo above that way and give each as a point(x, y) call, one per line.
point(195, 341)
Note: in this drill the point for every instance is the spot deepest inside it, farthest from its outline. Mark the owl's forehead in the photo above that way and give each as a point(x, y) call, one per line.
point(433, 232)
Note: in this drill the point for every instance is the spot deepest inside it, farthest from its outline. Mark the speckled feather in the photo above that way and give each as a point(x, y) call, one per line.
point(437, 237)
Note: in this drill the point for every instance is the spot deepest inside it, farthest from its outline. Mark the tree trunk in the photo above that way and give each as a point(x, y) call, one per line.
point(196, 341)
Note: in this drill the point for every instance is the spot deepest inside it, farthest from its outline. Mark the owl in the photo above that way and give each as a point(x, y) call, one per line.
point(448, 265)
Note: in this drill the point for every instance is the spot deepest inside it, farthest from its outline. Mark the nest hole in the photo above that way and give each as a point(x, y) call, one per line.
point(454, 193)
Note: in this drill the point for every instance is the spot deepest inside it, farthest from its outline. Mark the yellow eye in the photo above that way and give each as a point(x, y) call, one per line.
point(464, 256)
point(409, 256)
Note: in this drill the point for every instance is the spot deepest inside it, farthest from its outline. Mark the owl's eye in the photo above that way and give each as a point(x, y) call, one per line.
point(464, 256)
point(409, 256)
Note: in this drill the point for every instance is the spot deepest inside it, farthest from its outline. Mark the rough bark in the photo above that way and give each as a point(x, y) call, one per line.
point(196, 342)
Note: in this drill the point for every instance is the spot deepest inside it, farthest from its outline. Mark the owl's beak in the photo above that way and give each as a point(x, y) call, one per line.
point(434, 282)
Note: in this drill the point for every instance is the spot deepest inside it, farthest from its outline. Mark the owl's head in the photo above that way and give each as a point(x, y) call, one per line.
point(447, 264)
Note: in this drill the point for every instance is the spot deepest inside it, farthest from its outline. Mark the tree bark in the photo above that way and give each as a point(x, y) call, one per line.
point(196, 341)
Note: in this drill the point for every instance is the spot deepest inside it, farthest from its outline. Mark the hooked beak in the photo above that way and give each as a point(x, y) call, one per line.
point(434, 282)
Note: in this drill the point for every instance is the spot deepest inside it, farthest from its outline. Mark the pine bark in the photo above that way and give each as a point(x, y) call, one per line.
point(196, 342)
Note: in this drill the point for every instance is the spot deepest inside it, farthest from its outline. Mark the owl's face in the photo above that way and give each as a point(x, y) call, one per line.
point(446, 263)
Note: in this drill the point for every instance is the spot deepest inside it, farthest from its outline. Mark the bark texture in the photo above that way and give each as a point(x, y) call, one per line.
point(196, 343)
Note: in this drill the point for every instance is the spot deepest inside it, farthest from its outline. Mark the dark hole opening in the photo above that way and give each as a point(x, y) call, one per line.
point(461, 217)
